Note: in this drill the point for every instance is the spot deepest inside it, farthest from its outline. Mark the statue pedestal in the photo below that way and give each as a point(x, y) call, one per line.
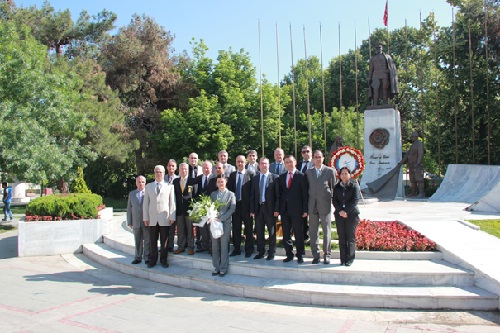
point(19, 192)
point(382, 144)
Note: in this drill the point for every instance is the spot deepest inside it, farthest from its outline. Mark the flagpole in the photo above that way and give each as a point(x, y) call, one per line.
point(323, 89)
point(261, 88)
point(387, 28)
point(278, 86)
point(340, 82)
point(356, 86)
point(454, 84)
point(307, 88)
point(470, 56)
point(436, 99)
point(370, 45)
point(487, 87)
point(293, 91)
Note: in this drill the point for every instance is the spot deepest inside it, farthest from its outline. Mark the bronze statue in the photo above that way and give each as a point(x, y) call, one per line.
point(414, 159)
point(383, 80)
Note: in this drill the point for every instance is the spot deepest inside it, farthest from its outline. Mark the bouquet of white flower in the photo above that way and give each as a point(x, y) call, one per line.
point(203, 210)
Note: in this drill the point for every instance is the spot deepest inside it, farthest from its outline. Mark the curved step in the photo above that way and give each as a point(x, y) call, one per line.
point(304, 292)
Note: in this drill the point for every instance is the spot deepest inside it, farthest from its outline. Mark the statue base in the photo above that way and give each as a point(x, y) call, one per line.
point(382, 147)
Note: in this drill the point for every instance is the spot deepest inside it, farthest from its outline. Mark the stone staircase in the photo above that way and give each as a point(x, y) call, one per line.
point(376, 279)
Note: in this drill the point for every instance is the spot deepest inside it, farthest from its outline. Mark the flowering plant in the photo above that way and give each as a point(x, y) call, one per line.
point(203, 210)
point(390, 236)
point(347, 156)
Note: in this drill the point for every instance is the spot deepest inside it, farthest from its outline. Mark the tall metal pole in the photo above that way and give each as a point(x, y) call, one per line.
point(278, 87)
point(307, 89)
point(487, 86)
point(370, 32)
point(454, 84)
point(470, 55)
point(436, 100)
point(261, 88)
point(293, 91)
point(356, 87)
point(323, 90)
point(340, 82)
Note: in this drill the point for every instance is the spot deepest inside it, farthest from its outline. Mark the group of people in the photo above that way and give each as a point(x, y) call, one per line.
point(254, 194)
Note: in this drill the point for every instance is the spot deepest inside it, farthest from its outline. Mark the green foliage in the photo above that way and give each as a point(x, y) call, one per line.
point(80, 186)
point(66, 206)
point(40, 128)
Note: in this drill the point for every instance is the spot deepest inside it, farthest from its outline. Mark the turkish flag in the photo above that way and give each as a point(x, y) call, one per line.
point(385, 16)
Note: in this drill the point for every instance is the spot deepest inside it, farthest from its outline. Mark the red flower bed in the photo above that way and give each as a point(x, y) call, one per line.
point(390, 236)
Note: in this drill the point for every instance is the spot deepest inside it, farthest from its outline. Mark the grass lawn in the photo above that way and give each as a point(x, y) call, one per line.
point(489, 226)
point(119, 205)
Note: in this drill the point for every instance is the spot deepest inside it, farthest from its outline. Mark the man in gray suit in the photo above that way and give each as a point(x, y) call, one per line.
point(321, 180)
point(222, 157)
point(159, 213)
point(135, 221)
point(278, 166)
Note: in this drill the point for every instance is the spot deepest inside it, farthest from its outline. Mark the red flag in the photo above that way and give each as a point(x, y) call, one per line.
point(385, 16)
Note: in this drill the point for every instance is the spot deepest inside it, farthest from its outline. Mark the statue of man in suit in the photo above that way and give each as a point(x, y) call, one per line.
point(383, 80)
point(414, 159)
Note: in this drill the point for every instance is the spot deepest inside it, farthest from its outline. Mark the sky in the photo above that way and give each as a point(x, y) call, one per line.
point(253, 25)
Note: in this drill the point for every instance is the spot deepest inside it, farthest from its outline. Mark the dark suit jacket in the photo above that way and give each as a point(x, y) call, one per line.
point(346, 198)
point(200, 190)
point(293, 200)
point(183, 200)
point(270, 200)
point(246, 188)
point(273, 167)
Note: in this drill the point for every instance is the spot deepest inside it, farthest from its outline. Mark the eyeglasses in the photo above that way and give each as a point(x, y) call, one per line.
point(305, 151)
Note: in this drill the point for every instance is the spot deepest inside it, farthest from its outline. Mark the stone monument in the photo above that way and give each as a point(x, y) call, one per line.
point(382, 134)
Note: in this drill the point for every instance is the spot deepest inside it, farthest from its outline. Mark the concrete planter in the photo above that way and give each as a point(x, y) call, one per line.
point(45, 238)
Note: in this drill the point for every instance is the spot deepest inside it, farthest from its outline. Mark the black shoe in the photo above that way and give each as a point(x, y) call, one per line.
point(150, 265)
point(136, 261)
point(216, 272)
point(165, 265)
point(209, 252)
point(300, 260)
point(235, 253)
point(287, 259)
point(171, 249)
point(315, 261)
point(147, 262)
point(259, 256)
point(348, 264)
point(201, 250)
point(327, 260)
point(248, 255)
point(270, 257)
point(221, 274)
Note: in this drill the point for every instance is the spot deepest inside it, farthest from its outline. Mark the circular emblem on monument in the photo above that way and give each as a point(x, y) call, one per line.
point(347, 157)
point(379, 138)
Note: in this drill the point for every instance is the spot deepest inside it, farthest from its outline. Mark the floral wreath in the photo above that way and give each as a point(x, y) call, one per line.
point(347, 156)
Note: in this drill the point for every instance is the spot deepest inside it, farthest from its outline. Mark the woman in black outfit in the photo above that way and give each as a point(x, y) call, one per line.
point(345, 200)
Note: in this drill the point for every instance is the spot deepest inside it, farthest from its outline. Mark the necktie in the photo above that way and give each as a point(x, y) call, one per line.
point(195, 169)
point(204, 182)
point(290, 180)
point(262, 188)
point(182, 184)
point(239, 186)
point(140, 197)
point(158, 188)
point(318, 172)
point(277, 170)
point(170, 179)
point(305, 163)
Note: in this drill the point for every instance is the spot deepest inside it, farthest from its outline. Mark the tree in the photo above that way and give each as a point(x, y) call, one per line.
point(40, 129)
point(139, 65)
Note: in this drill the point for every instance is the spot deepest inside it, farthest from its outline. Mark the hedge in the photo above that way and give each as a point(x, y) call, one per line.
point(66, 206)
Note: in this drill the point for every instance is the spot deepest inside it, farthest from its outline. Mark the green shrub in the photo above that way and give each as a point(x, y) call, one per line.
point(80, 186)
point(66, 206)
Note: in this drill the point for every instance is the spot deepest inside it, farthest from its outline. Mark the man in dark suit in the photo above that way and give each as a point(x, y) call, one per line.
point(135, 221)
point(304, 165)
point(184, 190)
point(169, 178)
point(278, 166)
point(263, 206)
point(321, 180)
point(194, 169)
point(292, 194)
point(202, 182)
point(240, 184)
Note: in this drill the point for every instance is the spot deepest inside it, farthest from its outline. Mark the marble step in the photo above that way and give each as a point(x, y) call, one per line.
point(285, 289)
point(367, 270)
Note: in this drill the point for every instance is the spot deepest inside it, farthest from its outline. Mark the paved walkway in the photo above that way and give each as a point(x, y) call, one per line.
point(73, 294)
